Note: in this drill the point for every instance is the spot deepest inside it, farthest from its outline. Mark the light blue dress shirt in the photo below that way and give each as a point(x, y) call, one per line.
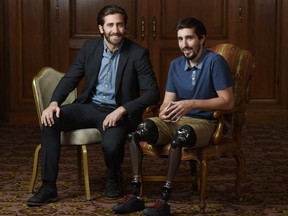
point(105, 89)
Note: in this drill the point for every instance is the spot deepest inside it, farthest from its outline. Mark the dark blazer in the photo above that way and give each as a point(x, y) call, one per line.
point(136, 85)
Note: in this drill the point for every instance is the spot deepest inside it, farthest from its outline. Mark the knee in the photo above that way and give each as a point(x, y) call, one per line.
point(185, 136)
point(147, 131)
point(112, 149)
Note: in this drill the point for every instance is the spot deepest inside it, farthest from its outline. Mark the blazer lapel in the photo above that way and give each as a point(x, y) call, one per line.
point(97, 57)
point(122, 61)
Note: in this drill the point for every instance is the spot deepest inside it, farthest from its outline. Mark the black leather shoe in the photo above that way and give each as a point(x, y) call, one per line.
point(130, 204)
point(113, 189)
point(45, 194)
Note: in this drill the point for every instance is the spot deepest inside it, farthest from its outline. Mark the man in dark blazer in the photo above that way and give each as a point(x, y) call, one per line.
point(119, 85)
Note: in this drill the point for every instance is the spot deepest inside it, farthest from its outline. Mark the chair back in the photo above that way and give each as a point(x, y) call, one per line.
point(43, 85)
point(241, 63)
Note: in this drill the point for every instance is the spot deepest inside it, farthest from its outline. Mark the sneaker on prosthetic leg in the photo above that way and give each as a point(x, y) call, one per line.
point(131, 202)
point(160, 207)
point(185, 136)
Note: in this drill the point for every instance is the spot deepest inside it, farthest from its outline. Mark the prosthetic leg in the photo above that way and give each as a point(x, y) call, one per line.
point(185, 136)
point(146, 131)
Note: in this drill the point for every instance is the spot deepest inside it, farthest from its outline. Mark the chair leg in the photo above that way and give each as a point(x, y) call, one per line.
point(141, 178)
point(194, 174)
point(79, 164)
point(35, 169)
point(203, 182)
point(240, 160)
point(86, 173)
point(142, 183)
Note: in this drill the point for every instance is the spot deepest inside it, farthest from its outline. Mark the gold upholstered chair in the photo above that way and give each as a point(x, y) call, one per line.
point(241, 64)
point(43, 86)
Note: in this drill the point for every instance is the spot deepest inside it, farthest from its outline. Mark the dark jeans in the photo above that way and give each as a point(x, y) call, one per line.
point(77, 116)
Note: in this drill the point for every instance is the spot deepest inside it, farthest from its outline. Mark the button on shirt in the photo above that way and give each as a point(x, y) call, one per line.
point(193, 71)
point(105, 89)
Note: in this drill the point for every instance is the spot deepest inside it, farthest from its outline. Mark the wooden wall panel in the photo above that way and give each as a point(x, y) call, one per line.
point(167, 55)
point(2, 64)
point(269, 84)
point(38, 33)
point(283, 55)
point(27, 52)
point(213, 13)
point(59, 33)
point(32, 45)
point(265, 50)
point(84, 17)
point(83, 22)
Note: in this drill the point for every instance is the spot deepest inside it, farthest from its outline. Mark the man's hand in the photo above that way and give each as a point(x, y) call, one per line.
point(113, 117)
point(174, 111)
point(47, 114)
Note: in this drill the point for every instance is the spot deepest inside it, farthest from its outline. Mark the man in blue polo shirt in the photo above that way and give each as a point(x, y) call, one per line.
point(199, 82)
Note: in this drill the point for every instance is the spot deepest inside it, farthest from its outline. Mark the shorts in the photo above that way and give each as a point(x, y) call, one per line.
point(203, 128)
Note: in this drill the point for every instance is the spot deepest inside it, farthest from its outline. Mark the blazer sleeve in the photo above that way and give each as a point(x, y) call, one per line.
point(146, 82)
point(82, 66)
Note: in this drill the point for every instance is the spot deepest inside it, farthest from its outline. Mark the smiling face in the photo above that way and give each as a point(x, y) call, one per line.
point(113, 30)
point(190, 44)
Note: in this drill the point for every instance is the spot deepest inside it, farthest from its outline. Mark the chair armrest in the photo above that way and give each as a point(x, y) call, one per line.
point(219, 115)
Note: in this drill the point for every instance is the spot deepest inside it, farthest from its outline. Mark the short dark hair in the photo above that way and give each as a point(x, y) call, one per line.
point(191, 22)
point(108, 10)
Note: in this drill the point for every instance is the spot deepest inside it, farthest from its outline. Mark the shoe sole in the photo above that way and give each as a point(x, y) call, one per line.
point(31, 204)
point(113, 198)
point(122, 208)
point(128, 212)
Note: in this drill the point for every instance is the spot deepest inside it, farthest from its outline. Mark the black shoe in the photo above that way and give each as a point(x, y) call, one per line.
point(113, 189)
point(130, 203)
point(160, 208)
point(45, 194)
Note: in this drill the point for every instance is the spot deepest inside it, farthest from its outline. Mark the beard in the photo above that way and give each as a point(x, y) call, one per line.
point(191, 57)
point(114, 39)
point(194, 54)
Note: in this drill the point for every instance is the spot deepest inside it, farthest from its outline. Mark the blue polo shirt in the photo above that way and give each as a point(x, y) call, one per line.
point(211, 73)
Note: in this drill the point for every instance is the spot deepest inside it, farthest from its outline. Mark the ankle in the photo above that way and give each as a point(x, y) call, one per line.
point(166, 190)
point(50, 184)
point(136, 185)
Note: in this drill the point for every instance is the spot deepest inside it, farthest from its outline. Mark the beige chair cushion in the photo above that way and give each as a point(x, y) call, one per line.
point(81, 136)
